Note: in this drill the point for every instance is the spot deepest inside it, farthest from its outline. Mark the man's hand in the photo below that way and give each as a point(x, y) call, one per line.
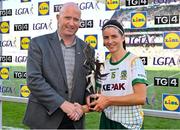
point(67, 107)
point(79, 109)
point(73, 111)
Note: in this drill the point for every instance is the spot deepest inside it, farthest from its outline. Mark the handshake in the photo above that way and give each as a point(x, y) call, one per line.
point(74, 111)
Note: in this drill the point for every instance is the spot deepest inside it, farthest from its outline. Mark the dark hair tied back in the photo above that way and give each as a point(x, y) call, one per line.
point(116, 24)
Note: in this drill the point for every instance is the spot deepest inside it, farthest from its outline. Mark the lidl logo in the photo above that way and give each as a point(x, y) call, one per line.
point(4, 27)
point(43, 8)
point(171, 102)
point(138, 20)
point(24, 42)
point(24, 91)
point(112, 4)
point(92, 40)
point(4, 73)
point(171, 40)
point(107, 55)
point(25, 0)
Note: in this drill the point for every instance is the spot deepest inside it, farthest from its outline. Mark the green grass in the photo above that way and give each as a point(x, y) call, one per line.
point(13, 115)
point(161, 123)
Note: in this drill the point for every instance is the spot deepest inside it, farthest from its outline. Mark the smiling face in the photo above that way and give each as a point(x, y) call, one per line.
point(113, 39)
point(68, 20)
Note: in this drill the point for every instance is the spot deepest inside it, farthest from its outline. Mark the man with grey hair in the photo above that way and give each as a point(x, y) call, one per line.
point(56, 76)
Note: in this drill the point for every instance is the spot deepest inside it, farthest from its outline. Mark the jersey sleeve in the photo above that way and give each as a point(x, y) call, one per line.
point(138, 72)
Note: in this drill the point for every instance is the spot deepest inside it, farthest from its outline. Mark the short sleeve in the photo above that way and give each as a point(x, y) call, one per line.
point(138, 72)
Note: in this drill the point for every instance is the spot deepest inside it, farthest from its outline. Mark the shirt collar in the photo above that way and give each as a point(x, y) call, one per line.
point(61, 41)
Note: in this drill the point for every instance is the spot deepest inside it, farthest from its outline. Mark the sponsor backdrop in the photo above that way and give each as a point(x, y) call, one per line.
point(152, 30)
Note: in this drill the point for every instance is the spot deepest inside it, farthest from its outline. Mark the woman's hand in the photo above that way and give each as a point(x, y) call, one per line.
point(91, 98)
point(101, 103)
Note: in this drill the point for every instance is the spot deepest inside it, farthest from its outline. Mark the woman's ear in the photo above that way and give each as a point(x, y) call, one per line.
point(124, 44)
point(123, 38)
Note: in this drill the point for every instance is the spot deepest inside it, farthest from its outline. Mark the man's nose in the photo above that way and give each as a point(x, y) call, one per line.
point(72, 22)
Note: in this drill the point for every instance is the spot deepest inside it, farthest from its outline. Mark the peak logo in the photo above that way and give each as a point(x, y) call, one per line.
point(92, 40)
point(24, 42)
point(4, 73)
point(4, 27)
point(112, 4)
point(24, 91)
point(138, 20)
point(113, 87)
point(43, 8)
point(171, 40)
point(171, 102)
point(25, 1)
point(107, 55)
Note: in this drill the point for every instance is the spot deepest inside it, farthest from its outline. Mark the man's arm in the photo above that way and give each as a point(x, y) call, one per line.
point(37, 84)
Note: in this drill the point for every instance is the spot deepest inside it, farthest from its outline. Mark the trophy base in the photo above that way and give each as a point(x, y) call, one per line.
point(92, 99)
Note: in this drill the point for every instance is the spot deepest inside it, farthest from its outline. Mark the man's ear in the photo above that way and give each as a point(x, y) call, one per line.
point(57, 16)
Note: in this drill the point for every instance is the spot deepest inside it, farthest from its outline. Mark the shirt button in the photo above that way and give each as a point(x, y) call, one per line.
point(66, 92)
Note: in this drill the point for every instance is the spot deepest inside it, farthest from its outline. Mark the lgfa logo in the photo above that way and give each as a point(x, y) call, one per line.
point(4, 73)
point(171, 102)
point(4, 27)
point(24, 91)
point(112, 4)
point(107, 55)
point(43, 8)
point(92, 40)
point(138, 20)
point(171, 40)
point(24, 42)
